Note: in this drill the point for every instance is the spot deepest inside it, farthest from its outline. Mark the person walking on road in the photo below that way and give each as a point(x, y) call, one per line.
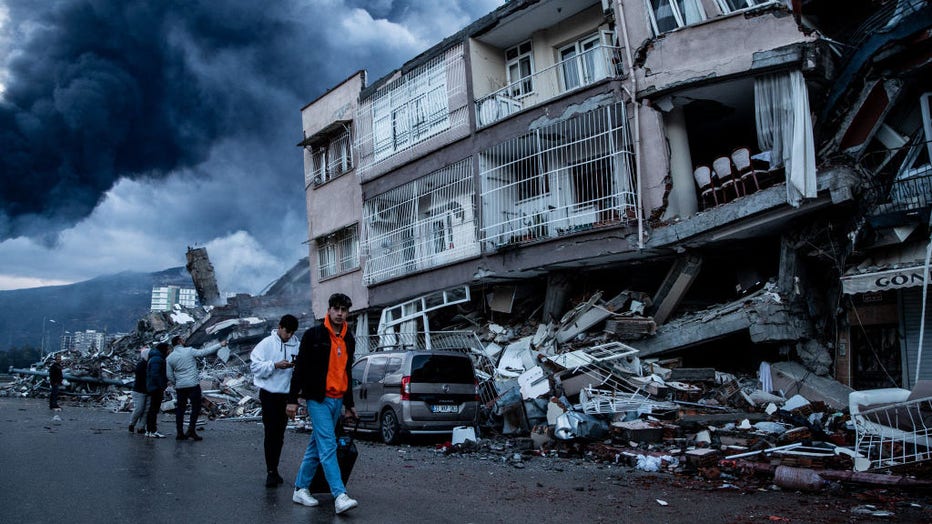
point(140, 393)
point(182, 372)
point(271, 363)
point(321, 376)
point(56, 378)
point(156, 382)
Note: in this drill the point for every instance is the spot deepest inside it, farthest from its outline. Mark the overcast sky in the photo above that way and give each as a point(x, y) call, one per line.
point(132, 129)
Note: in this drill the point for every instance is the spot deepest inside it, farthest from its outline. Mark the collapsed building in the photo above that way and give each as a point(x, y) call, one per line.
point(747, 183)
point(688, 229)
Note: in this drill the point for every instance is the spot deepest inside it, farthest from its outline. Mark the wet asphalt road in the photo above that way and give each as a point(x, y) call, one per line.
point(88, 468)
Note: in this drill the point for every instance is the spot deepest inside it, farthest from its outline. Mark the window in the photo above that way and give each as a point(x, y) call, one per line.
point(730, 6)
point(337, 252)
point(667, 15)
point(376, 369)
point(412, 109)
point(532, 181)
point(583, 62)
point(520, 66)
point(331, 158)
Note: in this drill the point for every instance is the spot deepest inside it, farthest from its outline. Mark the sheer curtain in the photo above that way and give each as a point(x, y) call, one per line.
point(784, 127)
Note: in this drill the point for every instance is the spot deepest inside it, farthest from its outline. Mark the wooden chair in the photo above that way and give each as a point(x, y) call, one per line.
point(747, 172)
point(703, 177)
point(727, 180)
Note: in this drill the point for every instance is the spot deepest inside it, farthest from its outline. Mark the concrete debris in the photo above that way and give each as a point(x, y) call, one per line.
point(566, 389)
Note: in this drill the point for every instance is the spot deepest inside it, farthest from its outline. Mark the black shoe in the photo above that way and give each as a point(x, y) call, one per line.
point(194, 436)
point(279, 479)
point(131, 428)
point(271, 480)
point(181, 436)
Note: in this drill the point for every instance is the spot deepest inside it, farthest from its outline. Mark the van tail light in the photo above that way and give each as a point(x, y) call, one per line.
point(476, 382)
point(405, 388)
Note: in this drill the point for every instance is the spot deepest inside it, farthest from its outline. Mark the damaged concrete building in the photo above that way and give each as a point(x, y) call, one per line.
point(756, 172)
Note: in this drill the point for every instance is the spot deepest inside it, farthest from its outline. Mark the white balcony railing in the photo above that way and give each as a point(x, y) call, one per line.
point(574, 73)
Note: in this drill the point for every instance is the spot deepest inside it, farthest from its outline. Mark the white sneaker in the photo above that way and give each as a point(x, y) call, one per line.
point(303, 496)
point(154, 434)
point(344, 503)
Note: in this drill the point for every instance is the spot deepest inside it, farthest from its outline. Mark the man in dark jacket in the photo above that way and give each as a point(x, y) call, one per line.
point(156, 382)
point(56, 377)
point(140, 393)
point(321, 376)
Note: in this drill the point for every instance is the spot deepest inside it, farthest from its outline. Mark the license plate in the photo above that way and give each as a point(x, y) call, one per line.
point(442, 408)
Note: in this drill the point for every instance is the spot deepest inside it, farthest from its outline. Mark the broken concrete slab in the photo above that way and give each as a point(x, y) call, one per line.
point(792, 378)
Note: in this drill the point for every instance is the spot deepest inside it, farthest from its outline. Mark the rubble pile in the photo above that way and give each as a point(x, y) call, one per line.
point(566, 388)
point(573, 389)
point(105, 377)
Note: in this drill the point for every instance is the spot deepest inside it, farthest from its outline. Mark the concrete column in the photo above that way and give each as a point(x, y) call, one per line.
point(683, 201)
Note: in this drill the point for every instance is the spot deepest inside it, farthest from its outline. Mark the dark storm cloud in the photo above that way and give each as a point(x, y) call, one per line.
point(192, 107)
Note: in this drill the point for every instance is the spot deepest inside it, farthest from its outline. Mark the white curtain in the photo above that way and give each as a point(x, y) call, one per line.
point(784, 127)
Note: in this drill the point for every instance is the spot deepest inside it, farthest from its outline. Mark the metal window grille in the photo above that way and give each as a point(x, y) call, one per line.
point(338, 252)
point(563, 178)
point(400, 120)
point(425, 223)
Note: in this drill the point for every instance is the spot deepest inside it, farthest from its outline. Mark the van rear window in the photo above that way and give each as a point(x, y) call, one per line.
point(441, 368)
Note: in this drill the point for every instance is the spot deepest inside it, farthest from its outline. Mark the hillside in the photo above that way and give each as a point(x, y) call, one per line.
point(112, 303)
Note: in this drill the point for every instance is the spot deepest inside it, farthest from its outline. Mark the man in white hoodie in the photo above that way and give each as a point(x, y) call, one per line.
point(271, 363)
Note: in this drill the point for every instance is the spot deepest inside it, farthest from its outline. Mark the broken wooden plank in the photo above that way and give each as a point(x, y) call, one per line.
point(693, 374)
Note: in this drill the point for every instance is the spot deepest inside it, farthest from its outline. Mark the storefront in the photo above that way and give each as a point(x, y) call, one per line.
point(883, 299)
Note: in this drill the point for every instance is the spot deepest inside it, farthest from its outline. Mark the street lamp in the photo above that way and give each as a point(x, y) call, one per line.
point(45, 335)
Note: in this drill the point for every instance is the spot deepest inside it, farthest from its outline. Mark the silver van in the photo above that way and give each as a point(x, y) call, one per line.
point(414, 392)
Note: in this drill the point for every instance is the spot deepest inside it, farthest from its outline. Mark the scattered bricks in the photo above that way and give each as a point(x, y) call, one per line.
point(637, 431)
point(703, 458)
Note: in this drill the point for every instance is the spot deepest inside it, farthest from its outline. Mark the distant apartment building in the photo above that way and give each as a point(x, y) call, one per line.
point(165, 298)
point(696, 151)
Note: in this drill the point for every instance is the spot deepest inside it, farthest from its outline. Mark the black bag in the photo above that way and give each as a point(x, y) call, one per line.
point(346, 457)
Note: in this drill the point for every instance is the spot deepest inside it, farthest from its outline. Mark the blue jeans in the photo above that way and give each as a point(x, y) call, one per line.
point(322, 448)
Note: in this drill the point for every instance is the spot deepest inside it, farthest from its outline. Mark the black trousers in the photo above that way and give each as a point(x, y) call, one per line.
point(184, 395)
point(53, 397)
point(274, 420)
point(155, 404)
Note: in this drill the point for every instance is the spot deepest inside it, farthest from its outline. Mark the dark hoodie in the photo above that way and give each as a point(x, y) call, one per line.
point(156, 378)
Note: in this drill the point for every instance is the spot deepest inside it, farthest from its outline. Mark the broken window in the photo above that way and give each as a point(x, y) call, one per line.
point(411, 109)
point(337, 252)
point(667, 15)
point(422, 224)
point(519, 64)
point(561, 178)
point(730, 6)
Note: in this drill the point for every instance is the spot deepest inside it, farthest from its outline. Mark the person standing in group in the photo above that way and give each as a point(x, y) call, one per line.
point(271, 363)
point(156, 382)
point(321, 376)
point(56, 378)
point(140, 393)
point(182, 372)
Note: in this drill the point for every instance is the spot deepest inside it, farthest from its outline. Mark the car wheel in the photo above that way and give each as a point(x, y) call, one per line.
point(390, 428)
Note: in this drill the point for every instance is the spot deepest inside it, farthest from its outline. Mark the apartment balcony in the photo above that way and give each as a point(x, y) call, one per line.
point(569, 177)
point(424, 224)
point(905, 200)
point(574, 73)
